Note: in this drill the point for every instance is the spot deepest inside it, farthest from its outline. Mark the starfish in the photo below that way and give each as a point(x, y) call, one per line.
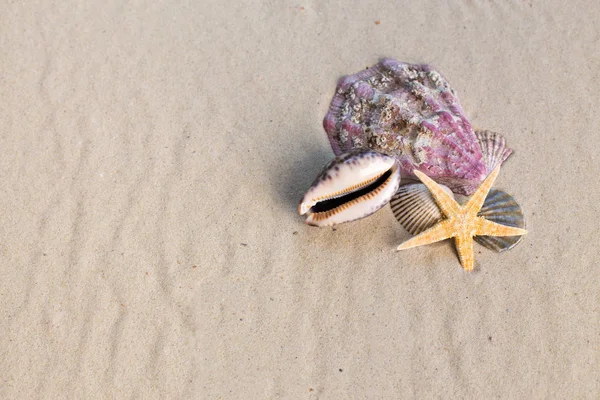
point(462, 222)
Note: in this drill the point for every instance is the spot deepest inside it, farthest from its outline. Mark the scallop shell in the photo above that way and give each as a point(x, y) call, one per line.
point(416, 210)
point(502, 208)
point(408, 111)
point(493, 148)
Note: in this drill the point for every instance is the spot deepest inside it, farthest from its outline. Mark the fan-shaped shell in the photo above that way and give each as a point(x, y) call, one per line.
point(415, 209)
point(493, 148)
point(502, 208)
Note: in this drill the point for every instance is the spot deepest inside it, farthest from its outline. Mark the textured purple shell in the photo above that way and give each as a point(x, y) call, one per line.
point(408, 111)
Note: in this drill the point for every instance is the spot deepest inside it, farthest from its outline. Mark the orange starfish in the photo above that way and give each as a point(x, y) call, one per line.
point(462, 222)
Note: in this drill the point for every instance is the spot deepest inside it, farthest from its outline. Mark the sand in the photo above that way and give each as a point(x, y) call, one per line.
point(152, 158)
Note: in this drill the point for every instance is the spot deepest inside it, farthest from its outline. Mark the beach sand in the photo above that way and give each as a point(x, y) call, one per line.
point(153, 155)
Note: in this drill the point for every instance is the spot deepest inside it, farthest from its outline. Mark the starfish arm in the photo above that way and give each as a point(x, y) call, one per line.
point(445, 202)
point(464, 248)
point(434, 234)
point(476, 201)
point(488, 228)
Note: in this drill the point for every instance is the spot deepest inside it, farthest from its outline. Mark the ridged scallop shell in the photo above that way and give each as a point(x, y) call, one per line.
point(502, 208)
point(415, 209)
point(493, 148)
point(408, 111)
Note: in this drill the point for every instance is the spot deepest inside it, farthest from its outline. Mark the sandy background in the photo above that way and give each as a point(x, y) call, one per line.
point(152, 158)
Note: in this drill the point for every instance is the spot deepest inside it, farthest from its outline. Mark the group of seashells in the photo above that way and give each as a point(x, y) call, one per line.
point(394, 124)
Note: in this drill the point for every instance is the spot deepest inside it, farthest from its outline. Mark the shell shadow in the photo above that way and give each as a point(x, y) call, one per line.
point(294, 178)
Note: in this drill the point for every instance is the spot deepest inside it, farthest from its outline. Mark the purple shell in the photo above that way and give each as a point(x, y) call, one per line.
point(408, 111)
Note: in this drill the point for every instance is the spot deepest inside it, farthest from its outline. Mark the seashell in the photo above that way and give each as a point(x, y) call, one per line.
point(502, 208)
point(493, 148)
point(415, 209)
point(410, 112)
point(352, 186)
